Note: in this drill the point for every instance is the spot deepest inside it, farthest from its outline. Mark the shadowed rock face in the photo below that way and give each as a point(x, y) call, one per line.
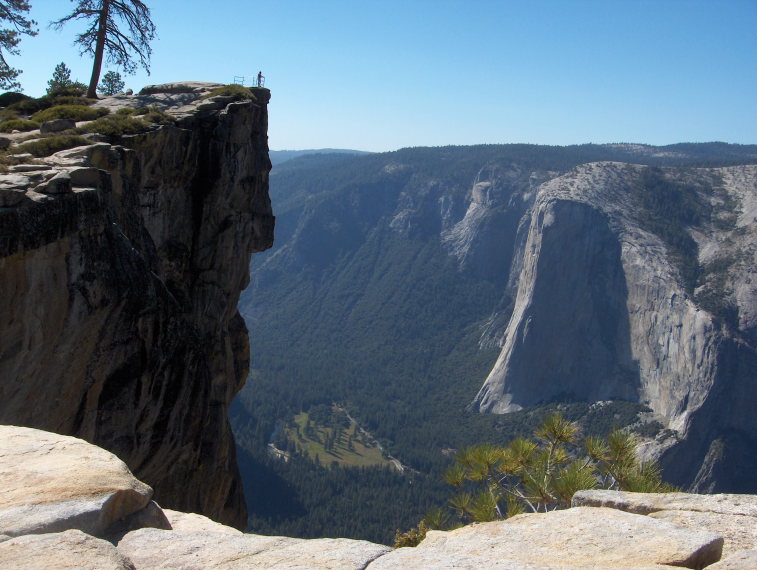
point(569, 337)
point(118, 298)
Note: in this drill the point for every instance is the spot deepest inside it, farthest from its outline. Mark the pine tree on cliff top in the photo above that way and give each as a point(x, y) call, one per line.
point(12, 11)
point(120, 30)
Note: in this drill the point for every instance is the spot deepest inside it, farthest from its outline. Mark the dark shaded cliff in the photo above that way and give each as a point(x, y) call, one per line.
point(118, 293)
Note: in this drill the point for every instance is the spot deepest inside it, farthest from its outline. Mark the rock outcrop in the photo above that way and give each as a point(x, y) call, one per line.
point(121, 267)
point(52, 483)
point(584, 537)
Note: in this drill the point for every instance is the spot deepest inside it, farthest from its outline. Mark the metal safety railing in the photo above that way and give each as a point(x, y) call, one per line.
point(254, 81)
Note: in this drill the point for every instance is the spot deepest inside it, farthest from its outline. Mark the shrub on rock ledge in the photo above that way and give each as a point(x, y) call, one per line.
point(50, 145)
point(73, 112)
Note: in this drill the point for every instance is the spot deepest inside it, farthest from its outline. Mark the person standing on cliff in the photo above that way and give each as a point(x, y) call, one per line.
point(260, 78)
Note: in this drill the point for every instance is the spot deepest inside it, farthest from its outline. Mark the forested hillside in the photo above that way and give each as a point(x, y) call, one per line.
point(375, 298)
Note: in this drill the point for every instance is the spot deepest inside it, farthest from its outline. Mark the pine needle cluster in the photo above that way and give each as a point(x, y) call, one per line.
point(538, 475)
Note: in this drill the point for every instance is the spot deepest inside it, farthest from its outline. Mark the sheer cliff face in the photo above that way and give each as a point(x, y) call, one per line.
point(118, 319)
point(602, 311)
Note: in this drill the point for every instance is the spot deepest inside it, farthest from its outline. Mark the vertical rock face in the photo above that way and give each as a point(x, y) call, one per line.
point(603, 310)
point(118, 319)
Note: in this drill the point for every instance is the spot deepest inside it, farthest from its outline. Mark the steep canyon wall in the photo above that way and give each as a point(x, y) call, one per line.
point(121, 266)
point(602, 310)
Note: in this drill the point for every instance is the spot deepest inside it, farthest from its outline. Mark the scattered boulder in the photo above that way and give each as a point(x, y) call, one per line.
point(52, 483)
point(88, 177)
point(5, 142)
point(13, 188)
point(578, 538)
point(152, 549)
point(56, 126)
point(58, 184)
point(69, 549)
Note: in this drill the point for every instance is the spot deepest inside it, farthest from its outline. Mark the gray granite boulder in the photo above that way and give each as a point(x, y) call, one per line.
point(732, 516)
point(56, 126)
point(13, 188)
point(52, 483)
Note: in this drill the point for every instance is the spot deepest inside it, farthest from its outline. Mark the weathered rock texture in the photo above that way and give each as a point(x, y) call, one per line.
point(602, 309)
point(52, 483)
point(732, 516)
point(68, 549)
point(159, 549)
point(575, 538)
point(744, 560)
point(580, 538)
point(120, 271)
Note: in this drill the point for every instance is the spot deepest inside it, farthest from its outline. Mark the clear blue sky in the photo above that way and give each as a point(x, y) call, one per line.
point(381, 75)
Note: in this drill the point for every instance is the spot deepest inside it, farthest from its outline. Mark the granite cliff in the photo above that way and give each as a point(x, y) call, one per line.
point(120, 270)
point(605, 307)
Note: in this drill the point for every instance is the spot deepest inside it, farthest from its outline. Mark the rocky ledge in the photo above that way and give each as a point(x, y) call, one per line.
point(65, 503)
point(121, 266)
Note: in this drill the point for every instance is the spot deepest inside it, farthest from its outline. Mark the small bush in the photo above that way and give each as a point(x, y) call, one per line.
point(71, 100)
point(413, 537)
point(8, 115)
point(18, 125)
point(12, 97)
point(74, 112)
point(233, 90)
point(115, 126)
point(155, 115)
point(29, 106)
point(128, 111)
point(51, 145)
point(158, 117)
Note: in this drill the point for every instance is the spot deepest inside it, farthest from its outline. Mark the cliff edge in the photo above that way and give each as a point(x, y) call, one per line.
point(121, 265)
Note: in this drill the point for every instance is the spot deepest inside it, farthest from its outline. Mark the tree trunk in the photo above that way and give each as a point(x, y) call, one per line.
point(99, 50)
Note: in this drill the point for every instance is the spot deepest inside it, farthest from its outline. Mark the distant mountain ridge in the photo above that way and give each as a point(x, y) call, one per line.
point(279, 156)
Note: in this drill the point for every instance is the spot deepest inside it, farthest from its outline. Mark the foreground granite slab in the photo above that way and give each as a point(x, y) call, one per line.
point(69, 549)
point(156, 549)
point(578, 538)
point(734, 517)
point(52, 483)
